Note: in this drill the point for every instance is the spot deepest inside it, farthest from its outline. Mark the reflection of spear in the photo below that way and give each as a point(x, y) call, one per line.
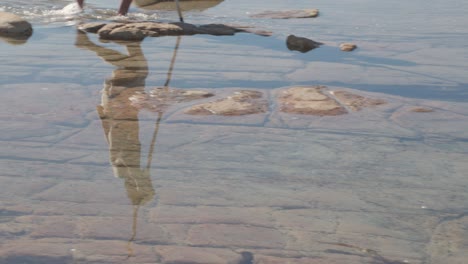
point(151, 150)
point(160, 113)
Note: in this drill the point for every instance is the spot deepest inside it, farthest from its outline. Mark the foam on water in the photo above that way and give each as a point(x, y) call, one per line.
point(69, 14)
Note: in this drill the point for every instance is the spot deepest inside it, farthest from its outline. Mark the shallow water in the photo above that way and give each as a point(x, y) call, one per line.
point(89, 177)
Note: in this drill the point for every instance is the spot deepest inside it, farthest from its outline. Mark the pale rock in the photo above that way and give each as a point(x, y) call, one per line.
point(348, 46)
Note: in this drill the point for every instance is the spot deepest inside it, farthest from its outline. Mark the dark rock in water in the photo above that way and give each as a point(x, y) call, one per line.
point(251, 29)
point(247, 258)
point(136, 31)
point(306, 13)
point(13, 26)
point(244, 102)
point(301, 44)
point(348, 46)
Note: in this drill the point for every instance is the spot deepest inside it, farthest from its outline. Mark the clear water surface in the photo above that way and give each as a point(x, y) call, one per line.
point(86, 177)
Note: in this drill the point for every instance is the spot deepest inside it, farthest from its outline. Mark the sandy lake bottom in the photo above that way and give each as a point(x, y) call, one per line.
point(99, 166)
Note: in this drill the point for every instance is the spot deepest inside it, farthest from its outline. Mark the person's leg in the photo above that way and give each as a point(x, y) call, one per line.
point(124, 6)
point(80, 3)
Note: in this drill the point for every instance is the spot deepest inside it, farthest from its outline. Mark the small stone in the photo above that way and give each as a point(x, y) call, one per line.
point(301, 44)
point(348, 46)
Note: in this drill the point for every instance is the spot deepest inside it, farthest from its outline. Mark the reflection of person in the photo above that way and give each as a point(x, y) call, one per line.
point(120, 120)
point(124, 6)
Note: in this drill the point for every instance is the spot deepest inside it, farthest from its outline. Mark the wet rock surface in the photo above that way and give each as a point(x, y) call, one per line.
point(13, 26)
point(159, 99)
point(240, 103)
point(356, 102)
point(309, 101)
point(301, 44)
point(306, 13)
point(135, 31)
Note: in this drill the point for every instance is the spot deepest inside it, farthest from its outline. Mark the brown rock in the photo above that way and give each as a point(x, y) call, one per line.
point(306, 13)
point(301, 44)
point(348, 46)
point(309, 101)
point(139, 30)
point(91, 27)
point(121, 31)
point(241, 103)
point(356, 102)
point(13, 26)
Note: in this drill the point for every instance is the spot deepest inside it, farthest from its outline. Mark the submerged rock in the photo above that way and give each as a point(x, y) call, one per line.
point(309, 101)
point(135, 31)
point(306, 13)
point(356, 102)
point(244, 102)
point(316, 100)
point(159, 99)
point(348, 46)
point(13, 26)
point(301, 44)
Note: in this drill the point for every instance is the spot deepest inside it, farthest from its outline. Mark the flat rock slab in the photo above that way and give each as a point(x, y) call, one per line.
point(14, 26)
point(306, 13)
point(159, 99)
point(309, 101)
point(243, 102)
point(136, 31)
point(356, 102)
